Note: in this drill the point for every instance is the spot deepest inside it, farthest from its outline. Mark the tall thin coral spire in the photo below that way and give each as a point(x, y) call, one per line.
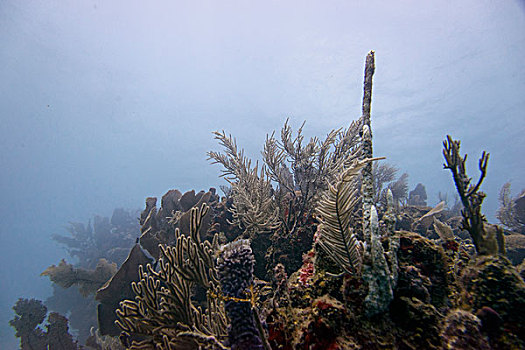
point(368, 180)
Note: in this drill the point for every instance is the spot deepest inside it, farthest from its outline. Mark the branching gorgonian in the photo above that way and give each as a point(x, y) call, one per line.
point(253, 206)
point(300, 172)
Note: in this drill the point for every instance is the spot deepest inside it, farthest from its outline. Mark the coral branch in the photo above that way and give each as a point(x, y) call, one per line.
point(487, 239)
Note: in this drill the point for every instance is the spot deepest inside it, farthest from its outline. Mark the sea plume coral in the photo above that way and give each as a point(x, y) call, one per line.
point(336, 232)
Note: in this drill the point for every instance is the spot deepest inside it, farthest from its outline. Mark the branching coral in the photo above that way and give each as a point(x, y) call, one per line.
point(383, 175)
point(163, 310)
point(385, 179)
point(399, 189)
point(488, 239)
point(505, 212)
point(29, 314)
point(312, 165)
point(78, 302)
point(253, 207)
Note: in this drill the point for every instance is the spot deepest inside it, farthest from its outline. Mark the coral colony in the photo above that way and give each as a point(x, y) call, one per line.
point(321, 246)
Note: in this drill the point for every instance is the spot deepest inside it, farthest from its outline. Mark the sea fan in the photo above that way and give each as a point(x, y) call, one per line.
point(336, 234)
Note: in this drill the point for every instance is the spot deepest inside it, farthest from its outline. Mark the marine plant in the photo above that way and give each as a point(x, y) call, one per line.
point(273, 203)
point(383, 175)
point(336, 213)
point(253, 208)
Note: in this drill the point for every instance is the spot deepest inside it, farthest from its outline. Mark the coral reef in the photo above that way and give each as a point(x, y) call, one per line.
point(384, 180)
point(158, 226)
point(107, 238)
point(515, 248)
point(97, 341)
point(423, 269)
point(319, 247)
point(280, 220)
point(29, 314)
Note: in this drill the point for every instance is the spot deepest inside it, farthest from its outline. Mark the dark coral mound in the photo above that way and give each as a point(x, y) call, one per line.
point(492, 281)
point(462, 330)
point(28, 322)
point(423, 269)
